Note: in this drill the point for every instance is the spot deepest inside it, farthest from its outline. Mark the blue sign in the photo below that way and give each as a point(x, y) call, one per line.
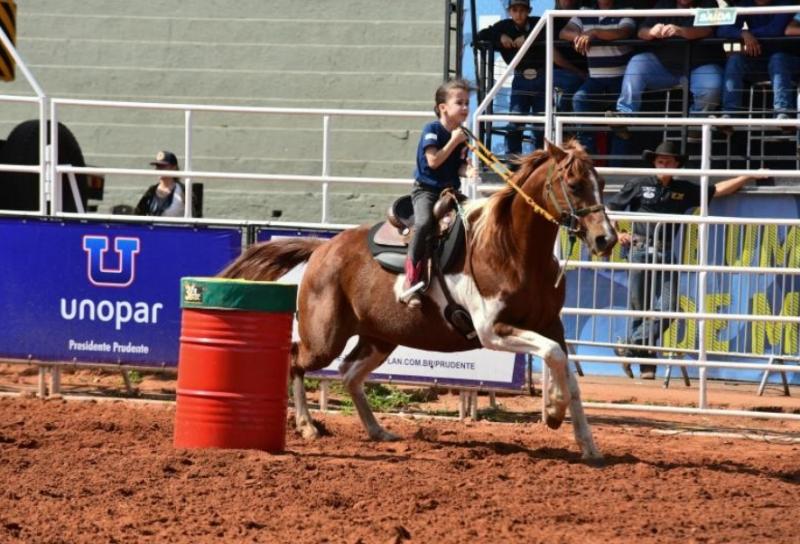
point(729, 292)
point(99, 292)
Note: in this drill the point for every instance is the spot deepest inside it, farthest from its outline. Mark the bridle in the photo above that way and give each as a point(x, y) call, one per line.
point(568, 218)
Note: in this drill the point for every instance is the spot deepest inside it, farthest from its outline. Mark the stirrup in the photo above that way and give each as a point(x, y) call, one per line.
point(411, 295)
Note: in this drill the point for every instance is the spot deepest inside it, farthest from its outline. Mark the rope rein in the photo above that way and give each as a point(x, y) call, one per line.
point(489, 159)
point(569, 219)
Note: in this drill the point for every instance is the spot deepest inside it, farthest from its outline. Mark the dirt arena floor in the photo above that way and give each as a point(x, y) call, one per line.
point(106, 471)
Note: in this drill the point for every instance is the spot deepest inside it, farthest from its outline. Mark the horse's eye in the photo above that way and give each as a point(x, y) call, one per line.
point(574, 188)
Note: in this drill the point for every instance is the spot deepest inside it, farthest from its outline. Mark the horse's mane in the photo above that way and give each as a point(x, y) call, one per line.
point(491, 218)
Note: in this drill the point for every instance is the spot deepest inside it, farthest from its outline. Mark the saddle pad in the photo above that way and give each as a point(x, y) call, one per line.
point(392, 258)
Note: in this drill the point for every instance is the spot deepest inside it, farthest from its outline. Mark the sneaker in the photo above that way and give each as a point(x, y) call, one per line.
point(783, 117)
point(647, 372)
point(725, 130)
point(620, 351)
point(620, 131)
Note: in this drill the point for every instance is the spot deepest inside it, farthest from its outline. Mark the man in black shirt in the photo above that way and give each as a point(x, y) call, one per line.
point(528, 84)
point(655, 290)
point(664, 65)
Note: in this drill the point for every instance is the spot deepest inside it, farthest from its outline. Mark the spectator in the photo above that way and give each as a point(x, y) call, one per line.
point(794, 26)
point(590, 36)
point(570, 74)
point(661, 193)
point(664, 65)
point(757, 60)
point(165, 198)
point(528, 84)
point(794, 30)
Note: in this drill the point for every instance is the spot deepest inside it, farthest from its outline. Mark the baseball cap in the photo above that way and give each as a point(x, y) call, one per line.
point(526, 3)
point(165, 158)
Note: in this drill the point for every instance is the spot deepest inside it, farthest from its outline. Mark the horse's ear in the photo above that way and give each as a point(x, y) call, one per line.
point(554, 151)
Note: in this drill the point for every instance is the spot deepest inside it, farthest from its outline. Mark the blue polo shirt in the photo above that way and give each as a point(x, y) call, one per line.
point(435, 135)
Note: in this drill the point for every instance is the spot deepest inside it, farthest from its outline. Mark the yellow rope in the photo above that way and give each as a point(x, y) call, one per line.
point(490, 160)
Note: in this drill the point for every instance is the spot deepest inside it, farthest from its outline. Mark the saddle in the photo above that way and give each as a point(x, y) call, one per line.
point(388, 240)
point(388, 243)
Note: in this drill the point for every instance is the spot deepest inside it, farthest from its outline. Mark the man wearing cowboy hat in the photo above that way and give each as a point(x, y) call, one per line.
point(651, 243)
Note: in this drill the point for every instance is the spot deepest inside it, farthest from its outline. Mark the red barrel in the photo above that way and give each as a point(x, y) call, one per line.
point(234, 363)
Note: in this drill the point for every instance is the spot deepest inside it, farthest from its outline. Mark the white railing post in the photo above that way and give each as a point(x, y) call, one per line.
point(55, 177)
point(548, 85)
point(702, 250)
point(44, 156)
point(187, 161)
point(326, 166)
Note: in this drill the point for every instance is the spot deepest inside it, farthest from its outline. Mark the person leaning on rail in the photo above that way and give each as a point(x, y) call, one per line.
point(663, 65)
point(759, 61)
point(656, 194)
point(594, 37)
point(529, 81)
point(794, 30)
point(167, 197)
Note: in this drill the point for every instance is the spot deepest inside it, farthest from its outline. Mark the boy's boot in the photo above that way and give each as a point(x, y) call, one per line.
point(413, 277)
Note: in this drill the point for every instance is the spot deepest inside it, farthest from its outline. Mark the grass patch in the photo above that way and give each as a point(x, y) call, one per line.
point(135, 377)
point(382, 398)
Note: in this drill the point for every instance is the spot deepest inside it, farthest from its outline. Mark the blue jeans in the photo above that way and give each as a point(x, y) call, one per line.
point(527, 97)
point(645, 71)
point(780, 66)
point(650, 291)
point(596, 95)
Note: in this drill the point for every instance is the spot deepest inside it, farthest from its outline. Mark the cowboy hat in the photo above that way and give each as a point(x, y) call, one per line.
point(670, 149)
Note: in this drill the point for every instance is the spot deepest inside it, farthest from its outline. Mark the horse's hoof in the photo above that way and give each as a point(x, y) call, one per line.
point(594, 458)
point(309, 431)
point(384, 436)
point(552, 421)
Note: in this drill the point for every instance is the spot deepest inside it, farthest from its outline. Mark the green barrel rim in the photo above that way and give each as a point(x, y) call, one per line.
point(234, 294)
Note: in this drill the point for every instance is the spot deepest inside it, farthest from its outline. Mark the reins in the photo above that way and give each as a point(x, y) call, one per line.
point(568, 218)
point(489, 159)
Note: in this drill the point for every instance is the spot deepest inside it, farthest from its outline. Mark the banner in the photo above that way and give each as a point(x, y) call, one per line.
point(728, 292)
point(100, 292)
point(475, 368)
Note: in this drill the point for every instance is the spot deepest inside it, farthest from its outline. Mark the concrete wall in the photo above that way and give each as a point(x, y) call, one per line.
point(355, 54)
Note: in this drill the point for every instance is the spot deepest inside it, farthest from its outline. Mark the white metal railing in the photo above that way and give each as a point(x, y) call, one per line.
point(325, 179)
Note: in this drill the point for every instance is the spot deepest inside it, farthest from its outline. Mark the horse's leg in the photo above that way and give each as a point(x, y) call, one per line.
point(325, 323)
point(564, 386)
point(365, 357)
point(303, 421)
point(580, 425)
point(509, 338)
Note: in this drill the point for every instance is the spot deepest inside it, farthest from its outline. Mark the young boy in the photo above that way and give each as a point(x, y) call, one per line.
point(441, 161)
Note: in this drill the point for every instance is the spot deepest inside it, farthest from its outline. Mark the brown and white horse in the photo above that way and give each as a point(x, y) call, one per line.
point(506, 280)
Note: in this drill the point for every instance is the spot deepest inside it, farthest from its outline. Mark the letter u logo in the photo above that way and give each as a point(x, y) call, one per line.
point(102, 273)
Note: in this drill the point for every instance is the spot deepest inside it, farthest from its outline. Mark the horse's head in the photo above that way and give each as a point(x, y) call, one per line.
point(571, 191)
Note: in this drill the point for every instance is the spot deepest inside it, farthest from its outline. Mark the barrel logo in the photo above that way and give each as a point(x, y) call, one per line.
point(105, 270)
point(192, 293)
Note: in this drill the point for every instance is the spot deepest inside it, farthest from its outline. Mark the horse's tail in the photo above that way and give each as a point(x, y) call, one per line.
point(269, 261)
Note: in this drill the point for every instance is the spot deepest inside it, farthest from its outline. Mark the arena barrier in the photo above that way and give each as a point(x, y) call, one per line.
point(775, 313)
point(101, 293)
